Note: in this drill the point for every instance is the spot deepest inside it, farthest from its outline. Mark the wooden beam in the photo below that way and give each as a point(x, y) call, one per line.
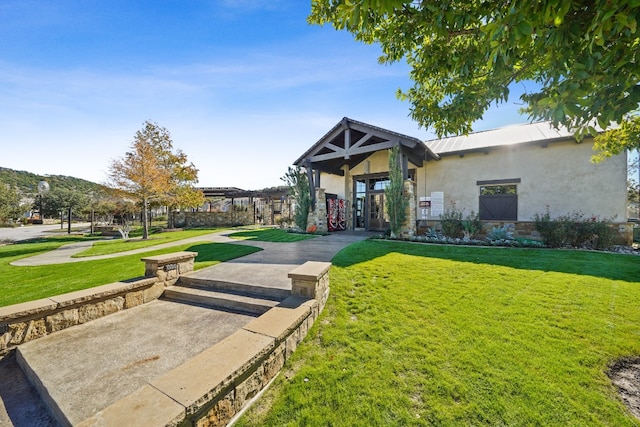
point(362, 140)
point(347, 143)
point(405, 165)
point(413, 158)
point(411, 143)
point(312, 188)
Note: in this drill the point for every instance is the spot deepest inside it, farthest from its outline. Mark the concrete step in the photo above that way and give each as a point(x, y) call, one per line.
point(232, 301)
point(234, 287)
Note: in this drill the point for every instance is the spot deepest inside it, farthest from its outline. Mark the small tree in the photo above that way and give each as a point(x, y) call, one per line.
point(396, 199)
point(9, 203)
point(298, 183)
point(62, 199)
point(152, 171)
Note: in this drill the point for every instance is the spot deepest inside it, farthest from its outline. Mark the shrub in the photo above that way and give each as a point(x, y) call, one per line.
point(451, 221)
point(499, 234)
point(432, 233)
point(471, 225)
point(574, 230)
point(550, 230)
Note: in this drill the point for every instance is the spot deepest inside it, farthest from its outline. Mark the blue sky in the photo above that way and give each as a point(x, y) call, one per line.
point(244, 86)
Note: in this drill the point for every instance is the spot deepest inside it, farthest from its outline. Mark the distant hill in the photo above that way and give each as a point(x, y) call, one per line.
point(27, 182)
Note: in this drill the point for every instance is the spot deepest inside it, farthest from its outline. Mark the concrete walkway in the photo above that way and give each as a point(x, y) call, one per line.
point(100, 343)
point(322, 248)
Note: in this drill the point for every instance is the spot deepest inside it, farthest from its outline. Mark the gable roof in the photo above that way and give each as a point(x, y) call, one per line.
point(530, 133)
point(350, 142)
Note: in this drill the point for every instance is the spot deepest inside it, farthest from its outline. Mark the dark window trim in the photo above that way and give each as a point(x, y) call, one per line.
point(499, 181)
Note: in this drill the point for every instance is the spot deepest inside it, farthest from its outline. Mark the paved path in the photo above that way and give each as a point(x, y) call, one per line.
point(32, 231)
point(321, 248)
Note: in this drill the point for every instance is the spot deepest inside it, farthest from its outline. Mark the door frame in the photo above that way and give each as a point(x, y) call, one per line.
point(365, 212)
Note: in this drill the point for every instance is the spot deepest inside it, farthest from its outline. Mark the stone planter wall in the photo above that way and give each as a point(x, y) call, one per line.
point(24, 322)
point(212, 219)
point(527, 229)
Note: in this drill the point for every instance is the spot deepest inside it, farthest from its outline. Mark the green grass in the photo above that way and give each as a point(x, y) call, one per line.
point(451, 336)
point(104, 247)
point(21, 284)
point(271, 235)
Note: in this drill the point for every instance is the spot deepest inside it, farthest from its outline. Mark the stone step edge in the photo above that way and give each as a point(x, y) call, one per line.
point(223, 285)
point(215, 299)
point(221, 380)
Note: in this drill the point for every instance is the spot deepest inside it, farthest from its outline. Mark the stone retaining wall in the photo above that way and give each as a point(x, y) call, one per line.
point(527, 229)
point(24, 322)
point(213, 219)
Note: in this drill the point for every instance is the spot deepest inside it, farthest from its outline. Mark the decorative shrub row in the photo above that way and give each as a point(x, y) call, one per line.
point(574, 230)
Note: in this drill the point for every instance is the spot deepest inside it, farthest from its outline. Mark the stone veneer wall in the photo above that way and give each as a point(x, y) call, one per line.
point(527, 229)
point(318, 216)
point(408, 229)
point(28, 321)
point(212, 219)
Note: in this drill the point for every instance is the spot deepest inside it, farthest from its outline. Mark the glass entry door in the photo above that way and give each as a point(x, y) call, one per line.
point(376, 212)
point(368, 201)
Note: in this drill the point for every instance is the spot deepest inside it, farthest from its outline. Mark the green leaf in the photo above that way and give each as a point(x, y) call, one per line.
point(525, 28)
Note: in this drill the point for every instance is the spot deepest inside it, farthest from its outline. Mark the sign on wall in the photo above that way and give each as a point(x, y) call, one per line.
point(437, 203)
point(425, 206)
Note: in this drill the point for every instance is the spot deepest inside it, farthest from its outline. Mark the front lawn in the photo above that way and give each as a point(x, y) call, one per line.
point(417, 334)
point(21, 284)
point(112, 246)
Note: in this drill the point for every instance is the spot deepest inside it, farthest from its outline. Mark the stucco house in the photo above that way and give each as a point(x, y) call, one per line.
point(507, 175)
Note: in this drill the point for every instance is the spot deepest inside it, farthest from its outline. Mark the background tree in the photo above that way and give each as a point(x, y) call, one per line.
point(62, 199)
point(582, 56)
point(9, 203)
point(150, 170)
point(613, 142)
point(395, 198)
point(184, 176)
point(298, 183)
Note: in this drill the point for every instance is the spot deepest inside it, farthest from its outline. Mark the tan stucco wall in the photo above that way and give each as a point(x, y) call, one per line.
point(559, 176)
point(343, 185)
point(333, 184)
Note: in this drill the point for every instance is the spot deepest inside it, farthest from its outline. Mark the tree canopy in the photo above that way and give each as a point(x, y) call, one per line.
point(608, 144)
point(397, 201)
point(10, 208)
point(153, 171)
point(298, 183)
point(464, 54)
point(61, 199)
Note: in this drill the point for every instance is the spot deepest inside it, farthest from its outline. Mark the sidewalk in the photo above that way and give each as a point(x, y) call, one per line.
point(64, 253)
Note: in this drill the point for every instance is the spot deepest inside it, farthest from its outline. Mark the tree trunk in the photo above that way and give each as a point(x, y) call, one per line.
point(145, 222)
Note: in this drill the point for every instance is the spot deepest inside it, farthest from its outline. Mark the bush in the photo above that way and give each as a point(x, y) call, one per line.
point(451, 221)
point(499, 234)
point(575, 231)
point(471, 225)
point(549, 229)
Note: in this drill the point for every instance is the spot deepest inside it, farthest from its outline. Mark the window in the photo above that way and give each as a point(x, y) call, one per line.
point(487, 190)
point(378, 184)
point(498, 200)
